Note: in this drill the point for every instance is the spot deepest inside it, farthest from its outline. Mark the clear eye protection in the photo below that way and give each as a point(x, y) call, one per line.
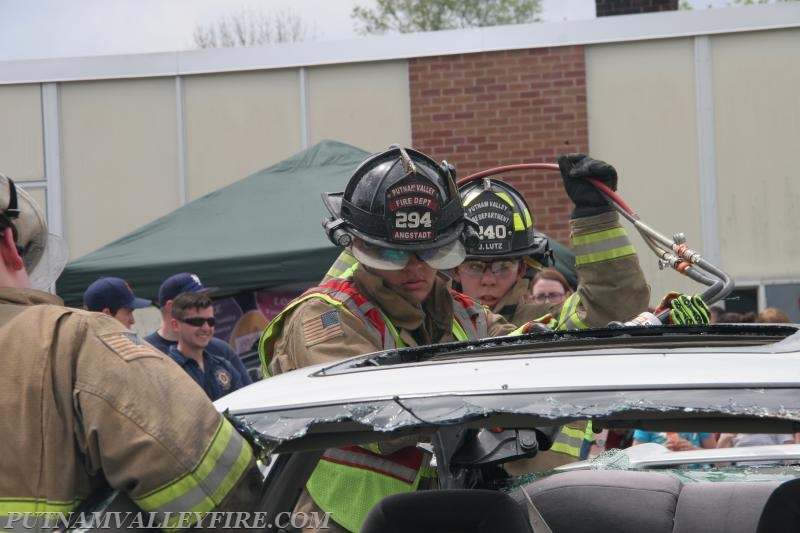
point(443, 258)
point(52, 255)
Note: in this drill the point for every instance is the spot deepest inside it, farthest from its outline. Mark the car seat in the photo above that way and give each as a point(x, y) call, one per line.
point(447, 511)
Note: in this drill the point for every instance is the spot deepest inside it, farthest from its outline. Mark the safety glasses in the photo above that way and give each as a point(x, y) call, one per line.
point(476, 269)
point(443, 258)
point(549, 297)
point(198, 321)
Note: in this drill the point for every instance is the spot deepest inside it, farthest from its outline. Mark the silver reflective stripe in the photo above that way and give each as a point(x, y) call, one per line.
point(372, 461)
point(212, 481)
point(479, 329)
point(601, 246)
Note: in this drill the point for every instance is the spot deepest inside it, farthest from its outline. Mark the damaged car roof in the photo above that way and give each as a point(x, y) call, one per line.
point(742, 377)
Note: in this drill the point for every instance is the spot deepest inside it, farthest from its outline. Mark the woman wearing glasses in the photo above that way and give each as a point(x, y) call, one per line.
point(549, 288)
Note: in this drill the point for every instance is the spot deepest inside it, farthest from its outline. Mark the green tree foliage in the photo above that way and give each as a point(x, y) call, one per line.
point(248, 28)
point(405, 16)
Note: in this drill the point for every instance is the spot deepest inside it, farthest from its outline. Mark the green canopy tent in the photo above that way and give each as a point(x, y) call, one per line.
point(262, 231)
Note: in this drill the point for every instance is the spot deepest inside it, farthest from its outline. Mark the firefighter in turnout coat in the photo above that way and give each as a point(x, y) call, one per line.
point(86, 404)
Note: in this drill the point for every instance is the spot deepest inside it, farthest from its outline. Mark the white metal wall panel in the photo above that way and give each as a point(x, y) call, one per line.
point(237, 124)
point(757, 108)
point(119, 158)
point(641, 108)
point(21, 132)
point(366, 105)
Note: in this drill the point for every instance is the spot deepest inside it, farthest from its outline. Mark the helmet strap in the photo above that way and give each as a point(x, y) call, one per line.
point(12, 211)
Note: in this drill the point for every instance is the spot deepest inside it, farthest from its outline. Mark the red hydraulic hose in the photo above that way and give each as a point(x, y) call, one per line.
point(660, 245)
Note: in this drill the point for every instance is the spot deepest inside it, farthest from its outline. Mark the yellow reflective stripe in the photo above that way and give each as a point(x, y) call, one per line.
point(506, 198)
point(223, 463)
point(597, 236)
point(428, 471)
point(458, 331)
point(372, 462)
point(569, 441)
point(35, 506)
point(528, 219)
point(569, 319)
point(350, 492)
point(343, 267)
point(561, 447)
point(601, 246)
point(392, 331)
point(622, 251)
point(374, 447)
point(589, 433)
point(519, 225)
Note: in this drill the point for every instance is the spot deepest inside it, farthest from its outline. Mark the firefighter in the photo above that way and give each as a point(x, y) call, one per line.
point(88, 405)
point(496, 265)
point(402, 219)
point(612, 285)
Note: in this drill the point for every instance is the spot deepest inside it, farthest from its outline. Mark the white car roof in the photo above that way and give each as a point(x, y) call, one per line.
point(746, 371)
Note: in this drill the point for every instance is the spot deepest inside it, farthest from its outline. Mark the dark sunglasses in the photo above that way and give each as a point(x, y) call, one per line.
point(198, 321)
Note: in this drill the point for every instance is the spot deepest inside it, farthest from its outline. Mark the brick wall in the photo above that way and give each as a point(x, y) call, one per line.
point(484, 110)
point(607, 8)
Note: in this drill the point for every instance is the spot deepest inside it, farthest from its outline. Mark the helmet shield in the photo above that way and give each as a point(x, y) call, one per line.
point(52, 257)
point(412, 205)
point(504, 222)
point(495, 219)
point(445, 257)
point(44, 255)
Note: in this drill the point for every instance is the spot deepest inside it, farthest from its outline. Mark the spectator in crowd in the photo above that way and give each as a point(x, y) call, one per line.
point(736, 440)
point(165, 336)
point(193, 323)
point(114, 297)
point(772, 315)
point(676, 441)
point(549, 287)
point(732, 317)
point(714, 313)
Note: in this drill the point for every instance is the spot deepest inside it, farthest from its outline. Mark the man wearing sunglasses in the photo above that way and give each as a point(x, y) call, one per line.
point(193, 323)
point(164, 337)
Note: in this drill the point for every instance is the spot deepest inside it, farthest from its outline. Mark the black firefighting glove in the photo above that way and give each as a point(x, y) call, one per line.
point(587, 199)
point(684, 309)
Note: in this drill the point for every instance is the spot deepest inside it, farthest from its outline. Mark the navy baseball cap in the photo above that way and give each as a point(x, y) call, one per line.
point(183, 282)
point(113, 293)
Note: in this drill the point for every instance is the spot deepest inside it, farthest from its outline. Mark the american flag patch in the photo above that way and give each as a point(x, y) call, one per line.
point(128, 345)
point(322, 328)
